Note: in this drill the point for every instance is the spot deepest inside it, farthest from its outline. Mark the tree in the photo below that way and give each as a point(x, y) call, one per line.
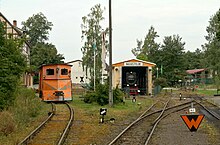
point(45, 53)
point(147, 50)
point(13, 65)
point(92, 36)
point(172, 58)
point(212, 47)
point(194, 60)
point(37, 28)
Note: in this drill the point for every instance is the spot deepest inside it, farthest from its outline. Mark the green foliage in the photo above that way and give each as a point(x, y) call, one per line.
point(37, 28)
point(217, 81)
point(13, 65)
point(160, 82)
point(26, 106)
point(100, 96)
point(172, 59)
point(195, 60)
point(117, 95)
point(147, 51)
point(142, 56)
point(45, 53)
point(212, 47)
point(7, 123)
point(92, 36)
point(18, 117)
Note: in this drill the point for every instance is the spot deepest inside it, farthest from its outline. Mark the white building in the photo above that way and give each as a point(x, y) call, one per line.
point(78, 75)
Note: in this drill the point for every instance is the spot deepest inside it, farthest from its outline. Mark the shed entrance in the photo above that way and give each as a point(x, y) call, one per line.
point(134, 80)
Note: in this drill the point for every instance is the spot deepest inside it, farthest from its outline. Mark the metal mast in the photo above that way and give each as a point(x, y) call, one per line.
point(110, 55)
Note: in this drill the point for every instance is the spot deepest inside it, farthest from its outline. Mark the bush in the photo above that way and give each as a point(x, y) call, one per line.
point(160, 82)
point(101, 95)
point(27, 105)
point(13, 65)
point(7, 123)
point(117, 95)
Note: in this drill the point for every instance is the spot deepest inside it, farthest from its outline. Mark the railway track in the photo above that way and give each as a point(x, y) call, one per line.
point(54, 129)
point(141, 130)
point(211, 108)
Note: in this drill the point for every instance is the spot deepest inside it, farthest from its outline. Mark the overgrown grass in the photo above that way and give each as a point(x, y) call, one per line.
point(207, 92)
point(211, 130)
point(18, 119)
point(89, 129)
point(116, 111)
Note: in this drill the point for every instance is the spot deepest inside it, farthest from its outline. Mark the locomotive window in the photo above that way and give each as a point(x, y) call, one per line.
point(64, 71)
point(50, 72)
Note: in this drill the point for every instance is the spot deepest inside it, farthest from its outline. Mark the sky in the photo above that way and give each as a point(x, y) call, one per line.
point(131, 20)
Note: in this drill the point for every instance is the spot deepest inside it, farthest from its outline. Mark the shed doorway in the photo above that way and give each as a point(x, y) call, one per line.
point(134, 80)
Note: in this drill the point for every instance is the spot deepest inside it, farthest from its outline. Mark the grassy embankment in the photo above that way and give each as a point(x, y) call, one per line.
point(21, 117)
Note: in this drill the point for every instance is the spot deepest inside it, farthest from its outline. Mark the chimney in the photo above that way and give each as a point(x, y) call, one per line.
point(15, 23)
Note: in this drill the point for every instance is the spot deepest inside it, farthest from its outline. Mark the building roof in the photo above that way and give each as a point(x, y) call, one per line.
point(19, 31)
point(194, 71)
point(144, 63)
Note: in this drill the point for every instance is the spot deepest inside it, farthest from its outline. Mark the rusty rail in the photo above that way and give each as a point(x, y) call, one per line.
point(66, 131)
point(34, 132)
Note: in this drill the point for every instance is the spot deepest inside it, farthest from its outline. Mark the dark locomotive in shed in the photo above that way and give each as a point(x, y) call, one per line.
point(133, 76)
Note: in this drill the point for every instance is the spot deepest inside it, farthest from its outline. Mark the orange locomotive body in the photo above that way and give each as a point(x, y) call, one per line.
point(55, 82)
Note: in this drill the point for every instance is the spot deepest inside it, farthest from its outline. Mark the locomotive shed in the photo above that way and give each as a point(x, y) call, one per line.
point(133, 76)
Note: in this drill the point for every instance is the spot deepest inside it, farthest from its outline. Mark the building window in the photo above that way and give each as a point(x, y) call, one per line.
point(81, 79)
point(64, 71)
point(79, 64)
point(50, 72)
point(76, 77)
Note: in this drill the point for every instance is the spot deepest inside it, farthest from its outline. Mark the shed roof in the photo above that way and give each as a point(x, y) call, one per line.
point(144, 63)
point(194, 71)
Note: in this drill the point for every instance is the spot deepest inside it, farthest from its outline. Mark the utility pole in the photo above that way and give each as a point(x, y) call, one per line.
point(110, 55)
point(94, 46)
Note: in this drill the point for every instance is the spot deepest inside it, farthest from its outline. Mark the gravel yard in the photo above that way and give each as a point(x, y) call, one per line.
point(170, 131)
point(173, 131)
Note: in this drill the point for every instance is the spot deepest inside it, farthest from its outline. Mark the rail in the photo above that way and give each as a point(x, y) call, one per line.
point(65, 133)
point(144, 115)
point(34, 132)
point(210, 112)
point(139, 118)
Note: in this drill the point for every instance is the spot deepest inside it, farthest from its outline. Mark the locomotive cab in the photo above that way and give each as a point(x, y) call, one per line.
point(55, 82)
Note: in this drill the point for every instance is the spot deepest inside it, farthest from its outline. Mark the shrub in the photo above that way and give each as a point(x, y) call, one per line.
point(118, 95)
point(13, 64)
point(90, 97)
point(26, 105)
point(160, 82)
point(7, 123)
point(101, 95)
